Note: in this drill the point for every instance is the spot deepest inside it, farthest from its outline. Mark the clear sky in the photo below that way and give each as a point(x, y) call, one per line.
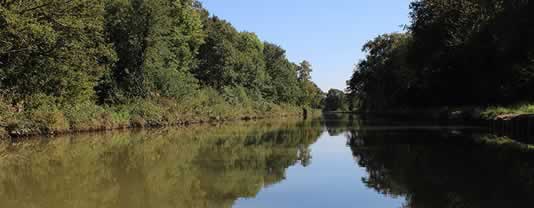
point(328, 33)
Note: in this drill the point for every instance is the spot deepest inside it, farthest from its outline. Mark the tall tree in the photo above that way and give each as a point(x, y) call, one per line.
point(52, 47)
point(231, 59)
point(156, 42)
point(304, 71)
point(311, 95)
point(384, 77)
point(284, 86)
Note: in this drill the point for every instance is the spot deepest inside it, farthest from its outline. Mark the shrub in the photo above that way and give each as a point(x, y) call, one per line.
point(120, 118)
point(48, 121)
point(3, 134)
point(137, 122)
point(86, 116)
point(149, 111)
point(495, 111)
point(6, 113)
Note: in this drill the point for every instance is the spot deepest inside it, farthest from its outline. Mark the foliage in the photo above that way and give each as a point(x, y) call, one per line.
point(78, 65)
point(231, 58)
point(304, 70)
point(52, 47)
point(335, 101)
point(311, 95)
point(454, 53)
point(495, 111)
point(206, 105)
point(156, 42)
point(284, 87)
point(382, 77)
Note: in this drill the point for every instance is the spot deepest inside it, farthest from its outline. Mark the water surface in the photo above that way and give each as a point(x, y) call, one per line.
point(332, 162)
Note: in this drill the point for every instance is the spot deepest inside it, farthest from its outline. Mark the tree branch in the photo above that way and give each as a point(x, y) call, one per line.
point(41, 6)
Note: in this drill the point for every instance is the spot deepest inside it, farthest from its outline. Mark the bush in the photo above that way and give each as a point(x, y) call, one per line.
point(40, 116)
point(3, 134)
point(49, 122)
point(137, 122)
point(43, 116)
point(495, 111)
point(87, 116)
point(6, 113)
point(120, 118)
point(149, 111)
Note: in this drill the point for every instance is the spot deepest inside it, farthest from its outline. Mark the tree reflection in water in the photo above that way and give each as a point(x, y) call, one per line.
point(201, 166)
point(207, 166)
point(444, 168)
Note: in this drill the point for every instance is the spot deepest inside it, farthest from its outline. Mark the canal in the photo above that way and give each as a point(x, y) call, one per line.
point(336, 161)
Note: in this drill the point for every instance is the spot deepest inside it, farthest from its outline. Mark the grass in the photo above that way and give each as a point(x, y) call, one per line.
point(505, 142)
point(46, 118)
point(496, 111)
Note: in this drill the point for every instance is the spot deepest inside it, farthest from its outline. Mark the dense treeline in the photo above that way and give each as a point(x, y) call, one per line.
point(145, 58)
point(454, 53)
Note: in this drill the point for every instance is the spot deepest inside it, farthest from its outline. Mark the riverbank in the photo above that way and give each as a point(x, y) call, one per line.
point(49, 119)
point(466, 113)
point(500, 112)
point(516, 122)
point(443, 115)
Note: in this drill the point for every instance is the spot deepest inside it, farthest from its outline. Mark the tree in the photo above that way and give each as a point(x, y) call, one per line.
point(231, 59)
point(54, 48)
point(304, 71)
point(175, 38)
point(335, 101)
point(454, 53)
point(157, 42)
point(481, 46)
point(68, 52)
point(284, 86)
point(311, 95)
point(384, 78)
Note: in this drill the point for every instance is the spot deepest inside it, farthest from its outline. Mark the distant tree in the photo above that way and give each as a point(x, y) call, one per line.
point(335, 101)
point(304, 71)
point(311, 95)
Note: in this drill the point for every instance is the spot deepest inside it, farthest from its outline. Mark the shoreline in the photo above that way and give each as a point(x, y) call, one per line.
point(518, 126)
point(21, 133)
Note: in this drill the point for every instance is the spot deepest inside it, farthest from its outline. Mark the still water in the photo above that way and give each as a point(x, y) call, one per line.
point(336, 161)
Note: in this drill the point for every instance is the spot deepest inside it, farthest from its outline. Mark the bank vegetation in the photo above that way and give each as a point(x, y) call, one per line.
point(78, 65)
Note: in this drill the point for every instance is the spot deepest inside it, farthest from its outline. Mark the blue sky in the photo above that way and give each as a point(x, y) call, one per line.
point(328, 33)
